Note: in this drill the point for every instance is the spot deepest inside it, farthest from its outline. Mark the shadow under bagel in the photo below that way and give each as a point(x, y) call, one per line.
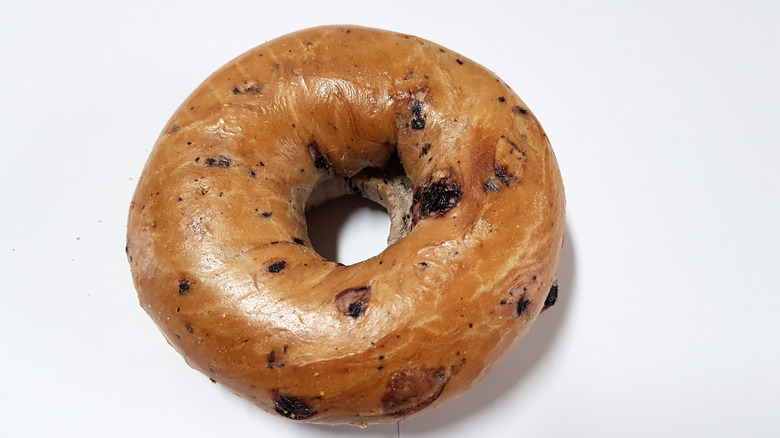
point(328, 221)
point(517, 366)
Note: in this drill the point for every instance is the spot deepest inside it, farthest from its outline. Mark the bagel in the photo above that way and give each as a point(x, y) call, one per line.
point(217, 234)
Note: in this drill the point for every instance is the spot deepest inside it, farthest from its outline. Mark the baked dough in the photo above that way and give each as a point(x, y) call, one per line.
point(219, 251)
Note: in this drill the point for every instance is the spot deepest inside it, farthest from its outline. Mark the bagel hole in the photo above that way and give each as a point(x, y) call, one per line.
point(348, 229)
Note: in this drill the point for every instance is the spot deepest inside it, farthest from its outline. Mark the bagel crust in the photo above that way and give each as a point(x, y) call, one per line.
point(217, 237)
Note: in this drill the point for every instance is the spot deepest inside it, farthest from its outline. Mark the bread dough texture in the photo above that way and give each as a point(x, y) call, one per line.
point(217, 238)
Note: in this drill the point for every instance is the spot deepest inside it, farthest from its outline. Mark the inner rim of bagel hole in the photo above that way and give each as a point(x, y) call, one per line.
point(348, 229)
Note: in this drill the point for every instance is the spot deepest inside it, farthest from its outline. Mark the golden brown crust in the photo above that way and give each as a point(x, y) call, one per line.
point(217, 236)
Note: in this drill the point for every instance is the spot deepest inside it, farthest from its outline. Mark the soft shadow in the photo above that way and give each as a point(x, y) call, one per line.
point(512, 370)
point(325, 222)
point(372, 430)
point(277, 425)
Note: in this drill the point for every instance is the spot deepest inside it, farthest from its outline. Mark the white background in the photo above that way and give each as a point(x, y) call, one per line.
point(664, 119)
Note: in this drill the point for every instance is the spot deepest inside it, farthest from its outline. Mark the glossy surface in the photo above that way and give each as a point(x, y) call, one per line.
point(217, 236)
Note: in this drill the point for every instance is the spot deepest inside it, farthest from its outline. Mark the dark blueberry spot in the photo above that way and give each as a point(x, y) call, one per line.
point(293, 408)
point(417, 108)
point(320, 160)
point(471, 325)
point(267, 214)
point(189, 328)
point(490, 187)
point(459, 61)
point(437, 198)
point(501, 99)
point(353, 302)
point(519, 110)
point(189, 143)
point(252, 174)
point(271, 359)
point(212, 380)
point(522, 304)
point(180, 199)
point(426, 147)
point(276, 267)
point(418, 122)
point(184, 287)
point(246, 87)
point(356, 309)
point(533, 278)
point(503, 175)
point(552, 296)
point(298, 241)
point(218, 161)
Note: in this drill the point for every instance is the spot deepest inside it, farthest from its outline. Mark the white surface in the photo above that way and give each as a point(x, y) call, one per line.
point(664, 119)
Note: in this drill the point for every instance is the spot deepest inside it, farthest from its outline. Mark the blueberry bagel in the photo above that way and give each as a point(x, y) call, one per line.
point(217, 235)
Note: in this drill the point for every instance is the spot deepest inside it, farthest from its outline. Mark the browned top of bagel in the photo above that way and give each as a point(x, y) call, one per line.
point(217, 237)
